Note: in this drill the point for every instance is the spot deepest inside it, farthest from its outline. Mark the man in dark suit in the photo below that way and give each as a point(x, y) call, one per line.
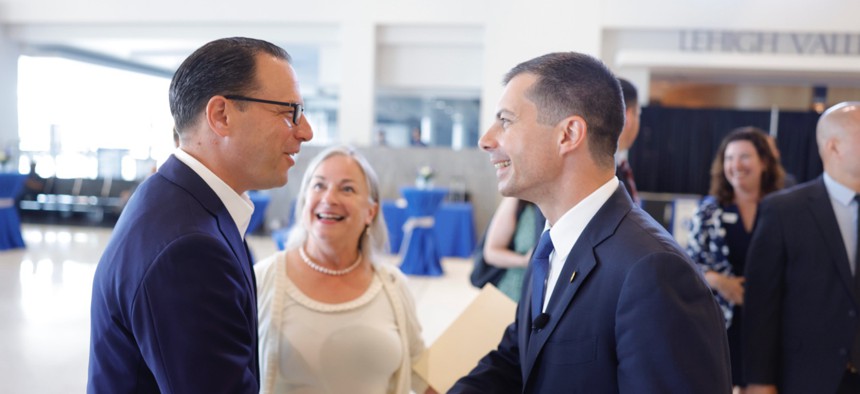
point(802, 299)
point(624, 309)
point(174, 298)
point(628, 137)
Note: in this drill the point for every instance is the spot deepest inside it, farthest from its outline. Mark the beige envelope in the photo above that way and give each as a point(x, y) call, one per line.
point(470, 337)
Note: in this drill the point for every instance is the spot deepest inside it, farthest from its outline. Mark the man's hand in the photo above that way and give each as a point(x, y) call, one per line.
point(760, 389)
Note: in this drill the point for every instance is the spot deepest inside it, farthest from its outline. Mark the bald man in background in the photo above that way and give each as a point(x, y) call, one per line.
point(802, 298)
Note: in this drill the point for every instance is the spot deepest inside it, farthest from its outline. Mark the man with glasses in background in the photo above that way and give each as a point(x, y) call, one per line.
point(174, 294)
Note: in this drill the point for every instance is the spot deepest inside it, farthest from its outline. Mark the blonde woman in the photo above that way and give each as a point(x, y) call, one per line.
point(332, 319)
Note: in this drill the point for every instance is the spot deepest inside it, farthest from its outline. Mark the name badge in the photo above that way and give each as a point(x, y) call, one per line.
point(729, 217)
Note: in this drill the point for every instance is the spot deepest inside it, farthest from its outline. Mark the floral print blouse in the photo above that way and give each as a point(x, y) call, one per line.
point(708, 246)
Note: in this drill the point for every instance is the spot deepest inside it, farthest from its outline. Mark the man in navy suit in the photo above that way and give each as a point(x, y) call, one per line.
point(624, 309)
point(802, 301)
point(174, 298)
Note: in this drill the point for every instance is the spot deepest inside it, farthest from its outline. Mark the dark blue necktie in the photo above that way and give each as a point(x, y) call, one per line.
point(540, 270)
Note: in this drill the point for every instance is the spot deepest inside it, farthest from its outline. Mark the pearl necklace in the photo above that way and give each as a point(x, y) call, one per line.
point(328, 271)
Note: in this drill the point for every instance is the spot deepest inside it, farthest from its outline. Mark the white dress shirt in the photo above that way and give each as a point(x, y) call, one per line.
point(569, 227)
point(845, 208)
point(240, 207)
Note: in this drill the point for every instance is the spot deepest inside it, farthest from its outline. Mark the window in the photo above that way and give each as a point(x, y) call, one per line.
point(68, 111)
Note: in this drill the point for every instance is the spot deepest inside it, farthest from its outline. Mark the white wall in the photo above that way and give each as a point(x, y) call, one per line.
point(517, 31)
point(429, 57)
point(783, 15)
point(448, 44)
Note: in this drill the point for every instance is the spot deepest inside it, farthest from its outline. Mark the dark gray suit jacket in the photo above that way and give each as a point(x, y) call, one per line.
point(800, 311)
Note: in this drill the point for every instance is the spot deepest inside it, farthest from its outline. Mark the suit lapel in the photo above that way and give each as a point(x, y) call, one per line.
point(582, 261)
point(183, 176)
point(828, 227)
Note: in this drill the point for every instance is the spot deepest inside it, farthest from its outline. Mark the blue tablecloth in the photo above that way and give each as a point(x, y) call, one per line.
point(10, 224)
point(419, 251)
point(454, 228)
point(261, 202)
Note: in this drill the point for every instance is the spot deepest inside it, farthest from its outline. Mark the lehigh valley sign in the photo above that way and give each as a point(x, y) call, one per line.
point(826, 44)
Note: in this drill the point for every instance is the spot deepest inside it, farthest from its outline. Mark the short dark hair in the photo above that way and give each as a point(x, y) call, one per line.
point(631, 96)
point(221, 67)
point(772, 177)
point(571, 83)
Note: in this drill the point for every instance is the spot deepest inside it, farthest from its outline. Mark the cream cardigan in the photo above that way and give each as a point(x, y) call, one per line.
point(271, 294)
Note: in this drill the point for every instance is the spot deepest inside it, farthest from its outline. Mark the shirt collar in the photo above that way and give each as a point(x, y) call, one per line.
point(837, 191)
point(238, 206)
point(570, 226)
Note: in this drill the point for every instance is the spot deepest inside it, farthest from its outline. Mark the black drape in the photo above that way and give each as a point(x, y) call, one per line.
point(676, 146)
point(796, 142)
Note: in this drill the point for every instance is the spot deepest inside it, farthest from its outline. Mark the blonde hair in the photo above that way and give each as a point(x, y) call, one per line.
point(374, 239)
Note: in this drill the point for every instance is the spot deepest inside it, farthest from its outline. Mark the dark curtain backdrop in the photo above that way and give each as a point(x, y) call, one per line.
point(676, 146)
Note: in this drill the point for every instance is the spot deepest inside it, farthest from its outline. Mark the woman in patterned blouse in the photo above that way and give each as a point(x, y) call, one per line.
point(744, 170)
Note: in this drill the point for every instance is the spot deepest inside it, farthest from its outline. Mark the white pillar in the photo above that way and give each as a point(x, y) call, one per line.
point(640, 77)
point(9, 52)
point(427, 135)
point(356, 110)
point(517, 31)
point(458, 132)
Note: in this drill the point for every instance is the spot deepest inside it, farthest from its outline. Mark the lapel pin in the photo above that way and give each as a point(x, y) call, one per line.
point(572, 276)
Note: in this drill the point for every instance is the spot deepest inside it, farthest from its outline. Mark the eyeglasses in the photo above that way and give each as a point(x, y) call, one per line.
point(298, 108)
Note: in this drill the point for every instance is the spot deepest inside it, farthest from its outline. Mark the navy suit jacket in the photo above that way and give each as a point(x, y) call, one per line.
point(637, 318)
point(800, 311)
point(174, 297)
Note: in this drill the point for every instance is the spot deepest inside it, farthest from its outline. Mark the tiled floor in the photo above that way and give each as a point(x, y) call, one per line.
point(45, 297)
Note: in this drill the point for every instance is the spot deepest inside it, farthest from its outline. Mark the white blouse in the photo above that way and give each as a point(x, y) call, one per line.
point(360, 346)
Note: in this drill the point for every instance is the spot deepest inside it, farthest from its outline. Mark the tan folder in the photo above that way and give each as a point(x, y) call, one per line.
point(470, 337)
